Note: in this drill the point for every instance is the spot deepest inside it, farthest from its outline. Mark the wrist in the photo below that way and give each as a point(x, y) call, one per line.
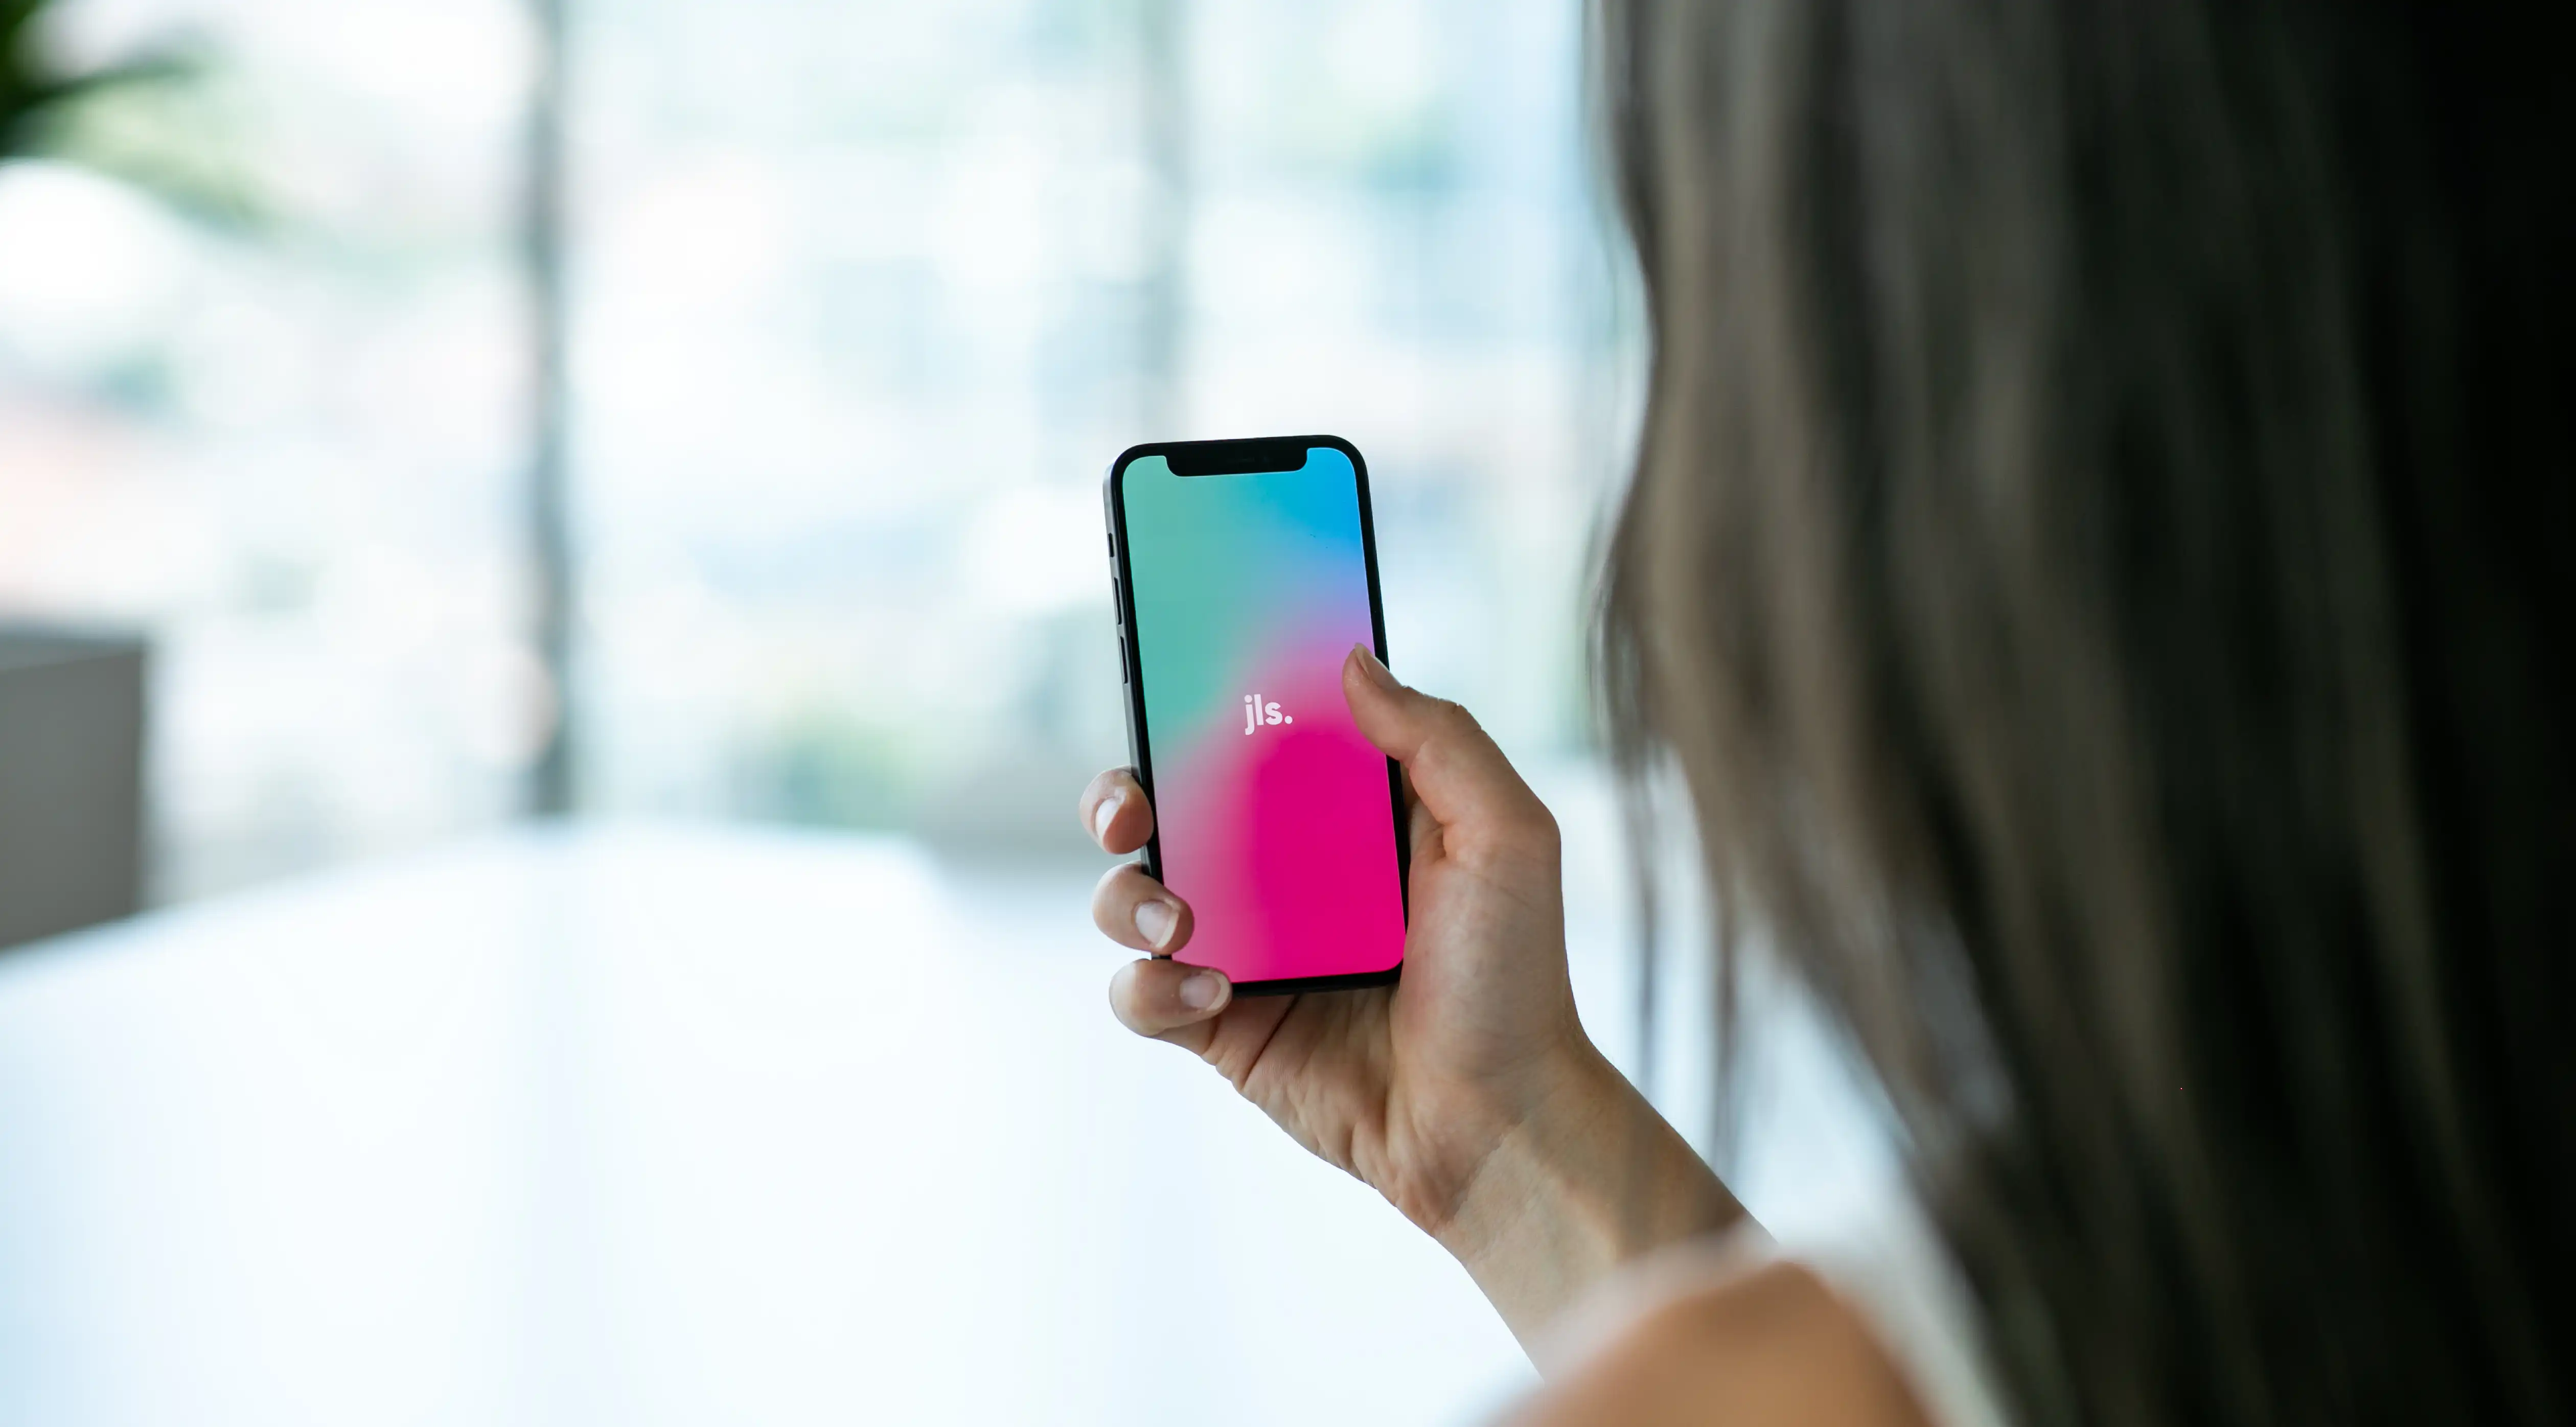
point(1586, 1178)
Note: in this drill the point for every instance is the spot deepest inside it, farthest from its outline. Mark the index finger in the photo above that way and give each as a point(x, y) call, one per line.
point(1115, 813)
point(1451, 764)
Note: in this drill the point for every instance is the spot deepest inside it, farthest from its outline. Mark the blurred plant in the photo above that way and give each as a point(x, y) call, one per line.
point(828, 768)
point(146, 120)
point(34, 93)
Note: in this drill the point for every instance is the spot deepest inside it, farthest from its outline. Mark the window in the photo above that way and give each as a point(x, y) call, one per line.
point(275, 416)
point(863, 296)
point(870, 294)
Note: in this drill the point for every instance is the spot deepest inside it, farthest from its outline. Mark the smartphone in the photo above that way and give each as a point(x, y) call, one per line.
point(1244, 573)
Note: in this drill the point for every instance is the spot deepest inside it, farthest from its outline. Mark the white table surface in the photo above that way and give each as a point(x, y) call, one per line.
point(671, 1124)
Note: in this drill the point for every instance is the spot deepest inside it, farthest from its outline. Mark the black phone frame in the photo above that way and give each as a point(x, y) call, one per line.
point(1191, 459)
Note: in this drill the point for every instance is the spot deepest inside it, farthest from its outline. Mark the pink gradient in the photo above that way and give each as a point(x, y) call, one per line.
point(1282, 839)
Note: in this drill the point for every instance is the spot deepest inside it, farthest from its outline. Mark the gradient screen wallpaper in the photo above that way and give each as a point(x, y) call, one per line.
point(1273, 812)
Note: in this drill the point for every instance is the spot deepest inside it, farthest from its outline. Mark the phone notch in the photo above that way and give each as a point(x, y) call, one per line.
point(1236, 458)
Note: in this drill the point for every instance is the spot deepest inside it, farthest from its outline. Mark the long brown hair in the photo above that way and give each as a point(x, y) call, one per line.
point(2099, 555)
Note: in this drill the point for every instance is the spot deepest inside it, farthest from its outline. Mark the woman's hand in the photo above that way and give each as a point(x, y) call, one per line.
point(1468, 1093)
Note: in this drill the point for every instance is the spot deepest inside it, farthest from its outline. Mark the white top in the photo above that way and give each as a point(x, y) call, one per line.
point(1891, 1267)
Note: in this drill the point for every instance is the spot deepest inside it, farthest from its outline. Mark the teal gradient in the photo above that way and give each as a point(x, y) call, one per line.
point(1235, 561)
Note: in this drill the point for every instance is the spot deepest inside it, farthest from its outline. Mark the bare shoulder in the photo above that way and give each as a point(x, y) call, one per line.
point(1770, 1345)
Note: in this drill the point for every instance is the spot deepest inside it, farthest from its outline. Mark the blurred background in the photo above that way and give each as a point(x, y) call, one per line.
point(485, 406)
point(552, 549)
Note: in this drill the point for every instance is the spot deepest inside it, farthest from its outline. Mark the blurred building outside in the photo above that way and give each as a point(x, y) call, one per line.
point(858, 300)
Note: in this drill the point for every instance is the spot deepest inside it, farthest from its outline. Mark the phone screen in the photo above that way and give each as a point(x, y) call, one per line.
point(1275, 818)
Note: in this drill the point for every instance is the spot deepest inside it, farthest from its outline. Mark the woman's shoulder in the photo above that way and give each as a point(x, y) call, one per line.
point(1735, 1340)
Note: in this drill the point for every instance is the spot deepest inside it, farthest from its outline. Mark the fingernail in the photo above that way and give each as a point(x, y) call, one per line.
point(1378, 673)
point(1106, 813)
point(1154, 922)
point(1202, 990)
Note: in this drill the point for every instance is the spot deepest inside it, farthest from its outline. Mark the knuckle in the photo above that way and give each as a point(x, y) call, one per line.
point(1453, 716)
point(1522, 842)
point(1438, 751)
point(1542, 825)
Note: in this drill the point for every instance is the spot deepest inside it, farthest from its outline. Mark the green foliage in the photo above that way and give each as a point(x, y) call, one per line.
point(150, 121)
point(34, 93)
point(827, 768)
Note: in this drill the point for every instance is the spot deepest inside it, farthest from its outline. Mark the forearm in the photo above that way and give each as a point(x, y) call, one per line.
point(1592, 1178)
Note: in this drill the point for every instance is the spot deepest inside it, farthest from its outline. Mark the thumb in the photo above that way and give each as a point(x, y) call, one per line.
point(1457, 771)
